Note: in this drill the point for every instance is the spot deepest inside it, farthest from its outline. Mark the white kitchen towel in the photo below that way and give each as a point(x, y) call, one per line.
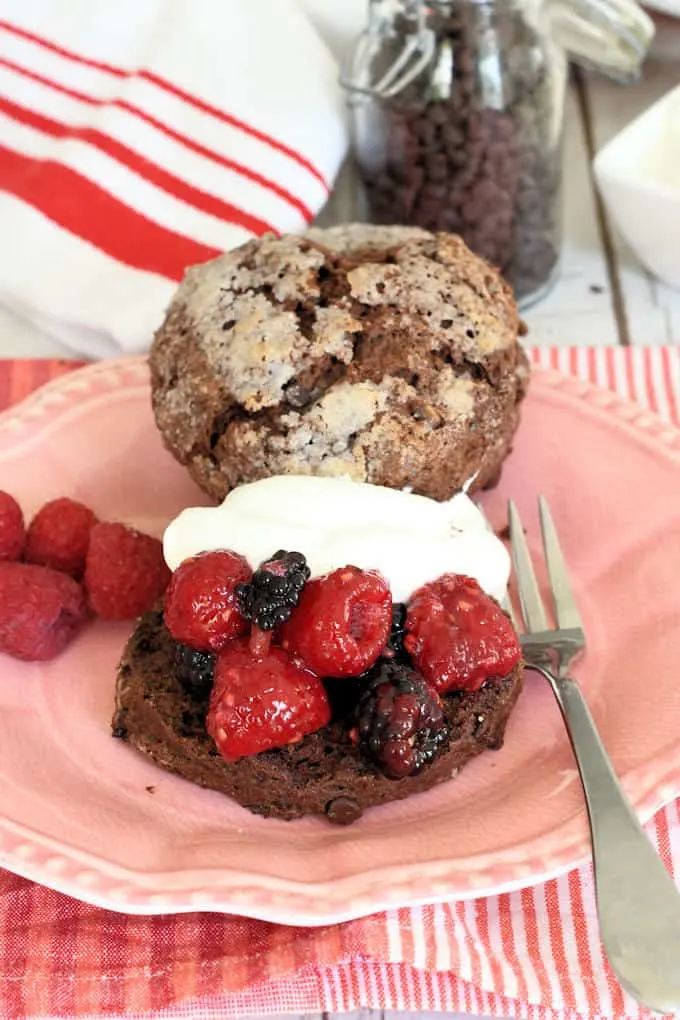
point(140, 137)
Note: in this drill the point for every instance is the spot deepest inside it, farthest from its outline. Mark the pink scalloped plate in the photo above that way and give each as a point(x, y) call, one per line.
point(86, 814)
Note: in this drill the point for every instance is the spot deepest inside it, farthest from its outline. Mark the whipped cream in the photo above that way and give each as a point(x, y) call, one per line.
point(335, 522)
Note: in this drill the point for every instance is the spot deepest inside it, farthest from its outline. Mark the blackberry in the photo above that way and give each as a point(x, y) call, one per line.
point(274, 589)
point(394, 649)
point(400, 721)
point(194, 670)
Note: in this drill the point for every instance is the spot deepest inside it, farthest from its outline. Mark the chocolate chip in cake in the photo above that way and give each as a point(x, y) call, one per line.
point(343, 811)
point(118, 727)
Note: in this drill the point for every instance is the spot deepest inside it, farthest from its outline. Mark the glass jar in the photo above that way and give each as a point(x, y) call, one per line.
point(457, 113)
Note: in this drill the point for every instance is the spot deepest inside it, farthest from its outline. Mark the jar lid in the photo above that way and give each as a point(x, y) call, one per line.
point(611, 36)
point(419, 46)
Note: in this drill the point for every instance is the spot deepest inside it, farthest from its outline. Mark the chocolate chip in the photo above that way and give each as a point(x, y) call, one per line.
point(473, 153)
point(297, 396)
point(427, 414)
point(118, 727)
point(343, 811)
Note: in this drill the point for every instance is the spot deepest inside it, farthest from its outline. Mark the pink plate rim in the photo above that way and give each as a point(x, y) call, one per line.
point(94, 880)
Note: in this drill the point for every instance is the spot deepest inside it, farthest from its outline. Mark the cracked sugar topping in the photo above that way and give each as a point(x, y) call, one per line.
point(349, 350)
point(262, 315)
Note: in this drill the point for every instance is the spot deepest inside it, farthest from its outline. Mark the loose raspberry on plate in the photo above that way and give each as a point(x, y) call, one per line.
point(400, 720)
point(260, 704)
point(40, 611)
point(12, 530)
point(59, 536)
point(458, 637)
point(125, 572)
point(342, 622)
point(201, 608)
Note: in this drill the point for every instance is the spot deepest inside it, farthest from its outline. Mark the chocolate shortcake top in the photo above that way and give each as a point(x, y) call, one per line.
point(385, 354)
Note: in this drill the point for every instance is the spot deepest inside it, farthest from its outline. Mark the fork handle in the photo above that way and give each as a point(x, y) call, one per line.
point(638, 905)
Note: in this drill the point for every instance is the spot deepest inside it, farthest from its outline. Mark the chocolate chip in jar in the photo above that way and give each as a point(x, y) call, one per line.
point(448, 94)
point(470, 143)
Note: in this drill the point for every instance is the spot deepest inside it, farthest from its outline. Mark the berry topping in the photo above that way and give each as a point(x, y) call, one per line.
point(458, 637)
point(200, 606)
point(59, 536)
point(12, 531)
point(274, 589)
point(259, 642)
point(40, 610)
point(394, 649)
point(194, 670)
point(400, 720)
point(125, 572)
point(260, 704)
point(342, 622)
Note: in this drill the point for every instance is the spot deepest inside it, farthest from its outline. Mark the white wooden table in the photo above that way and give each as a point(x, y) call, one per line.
point(603, 297)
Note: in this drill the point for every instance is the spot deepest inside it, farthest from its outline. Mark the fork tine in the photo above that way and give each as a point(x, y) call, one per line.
point(563, 597)
point(529, 594)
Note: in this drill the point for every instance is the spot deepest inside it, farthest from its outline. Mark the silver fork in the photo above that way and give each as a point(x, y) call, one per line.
point(638, 905)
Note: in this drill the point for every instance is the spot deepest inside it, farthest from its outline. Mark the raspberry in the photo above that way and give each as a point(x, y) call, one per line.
point(12, 530)
point(274, 589)
point(400, 720)
point(125, 572)
point(40, 611)
point(342, 622)
point(200, 606)
point(260, 704)
point(59, 536)
point(458, 636)
point(194, 670)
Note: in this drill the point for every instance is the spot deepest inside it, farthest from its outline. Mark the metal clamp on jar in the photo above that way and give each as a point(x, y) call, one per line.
point(457, 115)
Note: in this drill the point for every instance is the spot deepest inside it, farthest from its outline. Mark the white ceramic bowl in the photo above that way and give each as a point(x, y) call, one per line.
point(638, 173)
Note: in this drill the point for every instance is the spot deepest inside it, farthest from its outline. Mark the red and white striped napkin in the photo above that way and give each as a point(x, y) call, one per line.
point(535, 953)
point(140, 137)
